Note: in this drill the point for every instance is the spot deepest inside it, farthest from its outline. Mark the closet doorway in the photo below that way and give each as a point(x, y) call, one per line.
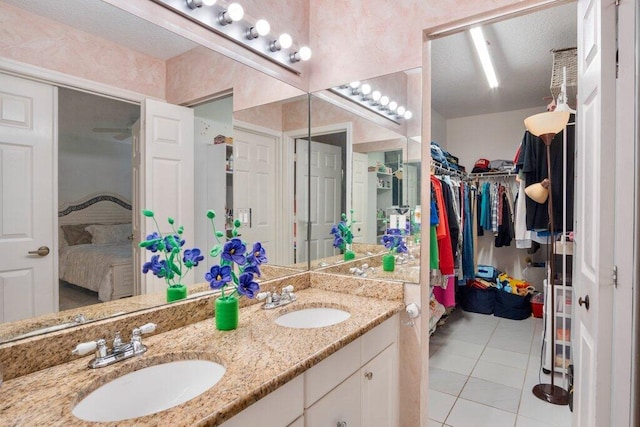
point(483, 367)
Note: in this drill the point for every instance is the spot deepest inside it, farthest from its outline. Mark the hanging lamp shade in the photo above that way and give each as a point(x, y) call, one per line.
point(547, 123)
point(537, 192)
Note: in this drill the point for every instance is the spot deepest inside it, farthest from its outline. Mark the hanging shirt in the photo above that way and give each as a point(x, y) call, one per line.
point(444, 238)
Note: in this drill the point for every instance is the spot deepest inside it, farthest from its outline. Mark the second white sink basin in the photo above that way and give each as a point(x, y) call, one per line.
point(313, 318)
point(149, 390)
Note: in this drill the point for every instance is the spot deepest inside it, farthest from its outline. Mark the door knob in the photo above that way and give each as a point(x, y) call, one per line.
point(42, 251)
point(342, 424)
point(368, 375)
point(584, 301)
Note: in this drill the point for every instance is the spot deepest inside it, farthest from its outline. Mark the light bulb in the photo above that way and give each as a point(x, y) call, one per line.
point(365, 89)
point(393, 105)
point(262, 27)
point(384, 101)
point(305, 53)
point(208, 2)
point(408, 114)
point(376, 96)
point(235, 11)
point(401, 110)
point(354, 85)
point(285, 41)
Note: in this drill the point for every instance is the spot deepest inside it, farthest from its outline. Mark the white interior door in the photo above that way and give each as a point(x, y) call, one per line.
point(28, 189)
point(594, 228)
point(254, 184)
point(167, 175)
point(410, 185)
point(320, 203)
point(359, 190)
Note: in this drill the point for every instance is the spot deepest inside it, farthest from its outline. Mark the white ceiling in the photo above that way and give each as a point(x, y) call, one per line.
point(521, 52)
point(520, 48)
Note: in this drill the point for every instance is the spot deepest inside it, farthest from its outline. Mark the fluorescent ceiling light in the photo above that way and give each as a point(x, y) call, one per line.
point(481, 47)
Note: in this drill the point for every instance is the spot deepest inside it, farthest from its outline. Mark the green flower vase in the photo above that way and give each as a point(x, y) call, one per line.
point(388, 262)
point(175, 293)
point(348, 253)
point(227, 313)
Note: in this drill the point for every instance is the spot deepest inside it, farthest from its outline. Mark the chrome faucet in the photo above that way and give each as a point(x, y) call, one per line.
point(273, 299)
point(119, 351)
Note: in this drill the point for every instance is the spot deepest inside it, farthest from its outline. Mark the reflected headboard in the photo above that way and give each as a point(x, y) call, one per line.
point(102, 208)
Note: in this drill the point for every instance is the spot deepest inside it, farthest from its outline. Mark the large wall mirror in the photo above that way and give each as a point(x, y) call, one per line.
point(364, 170)
point(243, 167)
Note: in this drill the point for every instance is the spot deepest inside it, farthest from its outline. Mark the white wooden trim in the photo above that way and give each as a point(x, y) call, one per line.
point(622, 403)
point(56, 78)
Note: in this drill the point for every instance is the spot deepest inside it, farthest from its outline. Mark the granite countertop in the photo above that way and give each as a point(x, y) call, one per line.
point(259, 357)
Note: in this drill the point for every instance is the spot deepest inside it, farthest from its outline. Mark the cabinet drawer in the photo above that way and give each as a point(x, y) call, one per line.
point(376, 340)
point(279, 408)
point(341, 405)
point(323, 377)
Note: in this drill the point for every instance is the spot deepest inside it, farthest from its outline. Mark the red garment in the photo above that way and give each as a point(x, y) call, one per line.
point(444, 238)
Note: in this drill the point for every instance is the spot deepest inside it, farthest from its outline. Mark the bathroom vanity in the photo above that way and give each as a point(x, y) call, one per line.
point(277, 375)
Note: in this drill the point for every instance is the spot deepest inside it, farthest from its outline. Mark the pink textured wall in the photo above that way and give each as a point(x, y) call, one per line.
point(201, 73)
point(35, 40)
point(358, 39)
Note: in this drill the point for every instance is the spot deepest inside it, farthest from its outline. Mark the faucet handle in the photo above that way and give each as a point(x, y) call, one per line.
point(263, 295)
point(287, 289)
point(84, 348)
point(147, 328)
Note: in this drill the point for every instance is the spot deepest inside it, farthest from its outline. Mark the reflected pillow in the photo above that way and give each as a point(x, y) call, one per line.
point(110, 233)
point(75, 234)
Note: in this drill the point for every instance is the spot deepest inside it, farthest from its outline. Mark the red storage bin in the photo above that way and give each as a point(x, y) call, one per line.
point(537, 304)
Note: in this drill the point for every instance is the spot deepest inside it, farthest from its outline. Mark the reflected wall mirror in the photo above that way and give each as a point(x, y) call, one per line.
point(96, 167)
point(366, 166)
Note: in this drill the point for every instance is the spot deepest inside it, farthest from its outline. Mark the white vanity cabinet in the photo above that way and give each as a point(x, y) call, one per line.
point(356, 386)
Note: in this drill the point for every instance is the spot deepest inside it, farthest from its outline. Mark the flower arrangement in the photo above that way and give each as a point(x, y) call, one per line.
point(237, 267)
point(342, 235)
point(394, 242)
point(169, 262)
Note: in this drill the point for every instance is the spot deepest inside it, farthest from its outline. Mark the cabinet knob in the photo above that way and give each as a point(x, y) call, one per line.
point(584, 302)
point(368, 375)
point(342, 424)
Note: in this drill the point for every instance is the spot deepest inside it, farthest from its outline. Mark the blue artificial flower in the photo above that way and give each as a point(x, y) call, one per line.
point(252, 268)
point(234, 251)
point(338, 241)
point(218, 276)
point(401, 247)
point(157, 267)
point(394, 231)
point(155, 236)
point(169, 242)
point(258, 255)
point(334, 230)
point(387, 241)
point(247, 286)
point(192, 257)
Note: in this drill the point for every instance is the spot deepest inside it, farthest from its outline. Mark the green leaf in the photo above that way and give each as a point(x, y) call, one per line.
point(216, 250)
point(234, 232)
point(219, 234)
point(170, 220)
point(175, 269)
point(180, 230)
point(236, 223)
point(211, 214)
point(147, 213)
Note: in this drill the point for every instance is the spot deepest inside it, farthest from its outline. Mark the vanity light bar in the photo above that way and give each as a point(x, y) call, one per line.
point(373, 100)
point(230, 21)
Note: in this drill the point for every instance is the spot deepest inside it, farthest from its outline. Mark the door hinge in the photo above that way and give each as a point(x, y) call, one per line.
point(614, 276)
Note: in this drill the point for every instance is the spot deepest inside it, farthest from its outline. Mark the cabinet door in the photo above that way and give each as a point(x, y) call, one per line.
point(379, 385)
point(341, 405)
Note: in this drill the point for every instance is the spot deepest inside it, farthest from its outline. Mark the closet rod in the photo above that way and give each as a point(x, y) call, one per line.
point(492, 174)
point(439, 168)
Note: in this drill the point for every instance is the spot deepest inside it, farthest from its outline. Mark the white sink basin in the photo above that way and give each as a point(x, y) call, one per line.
point(149, 390)
point(313, 318)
